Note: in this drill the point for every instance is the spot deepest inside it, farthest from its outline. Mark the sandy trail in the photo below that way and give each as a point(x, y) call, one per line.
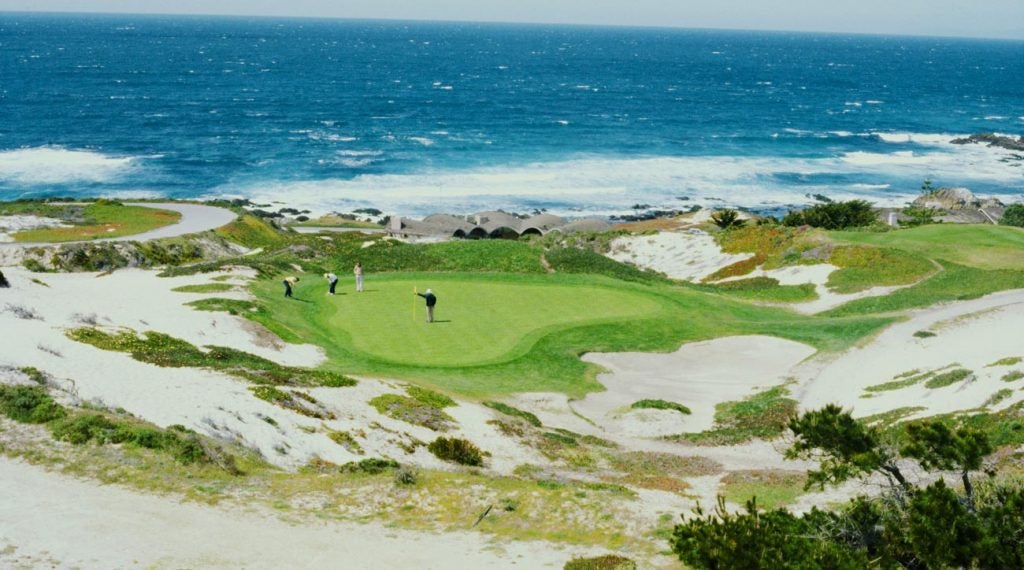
point(60, 522)
point(195, 218)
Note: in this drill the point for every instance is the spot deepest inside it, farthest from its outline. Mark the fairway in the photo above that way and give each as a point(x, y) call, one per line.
point(981, 246)
point(476, 322)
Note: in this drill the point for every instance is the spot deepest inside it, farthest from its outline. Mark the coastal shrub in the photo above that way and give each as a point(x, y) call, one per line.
point(83, 428)
point(764, 415)
point(1013, 216)
point(406, 476)
point(182, 444)
point(29, 404)
point(606, 562)
point(33, 265)
point(514, 412)
point(948, 378)
point(924, 334)
point(833, 216)
point(726, 219)
point(457, 450)
point(34, 374)
point(660, 405)
point(370, 466)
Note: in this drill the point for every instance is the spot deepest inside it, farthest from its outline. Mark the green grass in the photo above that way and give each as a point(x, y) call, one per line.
point(505, 333)
point(899, 383)
point(205, 288)
point(767, 290)
point(660, 405)
point(764, 415)
point(997, 397)
point(99, 220)
point(773, 488)
point(954, 283)
point(1007, 361)
point(862, 267)
point(979, 246)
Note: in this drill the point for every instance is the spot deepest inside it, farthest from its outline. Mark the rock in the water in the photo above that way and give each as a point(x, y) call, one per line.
point(1000, 141)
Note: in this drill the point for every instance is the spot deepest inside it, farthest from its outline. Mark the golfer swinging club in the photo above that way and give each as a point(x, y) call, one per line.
point(431, 301)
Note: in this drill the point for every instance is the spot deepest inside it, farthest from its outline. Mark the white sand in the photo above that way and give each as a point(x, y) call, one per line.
point(698, 375)
point(970, 334)
point(53, 521)
point(689, 255)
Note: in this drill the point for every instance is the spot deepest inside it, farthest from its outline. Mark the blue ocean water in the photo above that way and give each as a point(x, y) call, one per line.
point(421, 117)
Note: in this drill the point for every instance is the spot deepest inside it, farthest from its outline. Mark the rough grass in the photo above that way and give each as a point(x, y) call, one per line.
point(764, 415)
point(514, 412)
point(772, 488)
point(205, 288)
point(502, 333)
point(99, 220)
point(997, 397)
point(412, 410)
point(900, 382)
point(768, 290)
point(892, 417)
point(1012, 376)
point(660, 405)
point(165, 350)
point(1007, 361)
point(948, 378)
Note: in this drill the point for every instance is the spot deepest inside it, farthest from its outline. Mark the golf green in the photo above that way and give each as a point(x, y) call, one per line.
point(476, 322)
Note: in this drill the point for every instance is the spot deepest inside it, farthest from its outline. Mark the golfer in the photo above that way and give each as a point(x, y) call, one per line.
point(332, 282)
point(289, 282)
point(431, 301)
point(358, 270)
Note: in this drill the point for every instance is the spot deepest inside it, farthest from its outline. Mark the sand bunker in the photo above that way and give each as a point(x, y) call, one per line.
point(699, 375)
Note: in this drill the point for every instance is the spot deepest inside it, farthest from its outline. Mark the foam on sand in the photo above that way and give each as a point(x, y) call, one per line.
point(55, 165)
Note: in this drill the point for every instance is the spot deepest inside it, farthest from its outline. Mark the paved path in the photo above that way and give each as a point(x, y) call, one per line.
point(195, 218)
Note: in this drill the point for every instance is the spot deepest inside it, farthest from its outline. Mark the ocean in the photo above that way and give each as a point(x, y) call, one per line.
point(416, 118)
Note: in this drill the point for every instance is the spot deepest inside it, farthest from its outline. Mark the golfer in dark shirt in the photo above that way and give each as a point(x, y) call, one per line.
point(431, 301)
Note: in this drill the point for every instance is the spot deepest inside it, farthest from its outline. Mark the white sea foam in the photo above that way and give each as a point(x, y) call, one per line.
point(55, 165)
point(599, 185)
point(422, 140)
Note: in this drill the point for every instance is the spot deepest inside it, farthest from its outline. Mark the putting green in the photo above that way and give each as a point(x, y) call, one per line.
point(476, 322)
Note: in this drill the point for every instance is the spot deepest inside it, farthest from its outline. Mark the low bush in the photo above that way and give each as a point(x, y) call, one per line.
point(371, 466)
point(1012, 376)
point(606, 562)
point(834, 215)
point(430, 398)
point(406, 476)
point(1013, 216)
point(29, 404)
point(457, 450)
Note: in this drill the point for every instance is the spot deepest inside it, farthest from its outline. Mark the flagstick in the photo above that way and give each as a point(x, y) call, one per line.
point(415, 291)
